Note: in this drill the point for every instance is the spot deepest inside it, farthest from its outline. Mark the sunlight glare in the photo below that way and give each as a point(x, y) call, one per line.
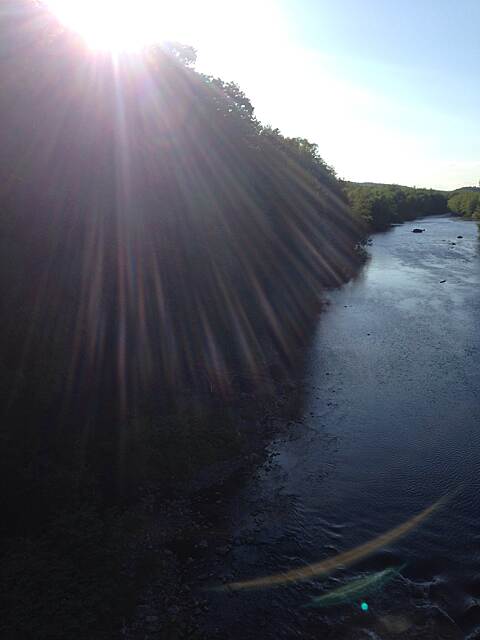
point(240, 33)
point(117, 25)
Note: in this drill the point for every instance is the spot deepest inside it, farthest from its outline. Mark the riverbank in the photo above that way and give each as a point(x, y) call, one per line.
point(189, 537)
point(97, 559)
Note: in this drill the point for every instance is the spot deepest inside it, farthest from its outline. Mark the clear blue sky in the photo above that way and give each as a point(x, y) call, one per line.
point(390, 91)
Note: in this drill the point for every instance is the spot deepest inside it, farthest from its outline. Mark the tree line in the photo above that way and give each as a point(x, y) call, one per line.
point(380, 206)
point(465, 203)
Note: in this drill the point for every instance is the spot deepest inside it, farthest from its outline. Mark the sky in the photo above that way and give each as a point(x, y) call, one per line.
point(389, 91)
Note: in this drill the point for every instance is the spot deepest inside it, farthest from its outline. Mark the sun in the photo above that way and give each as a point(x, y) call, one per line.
point(116, 25)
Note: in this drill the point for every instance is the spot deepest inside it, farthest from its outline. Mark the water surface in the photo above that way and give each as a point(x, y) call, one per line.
point(391, 424)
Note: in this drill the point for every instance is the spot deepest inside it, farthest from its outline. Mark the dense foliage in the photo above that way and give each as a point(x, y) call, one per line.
point(465, 203)
point(147, 219)
point(157, 244)
point(379, 206)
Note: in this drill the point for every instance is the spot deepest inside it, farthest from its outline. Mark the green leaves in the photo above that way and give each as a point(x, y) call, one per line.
point(466, 203)
point(381, 205)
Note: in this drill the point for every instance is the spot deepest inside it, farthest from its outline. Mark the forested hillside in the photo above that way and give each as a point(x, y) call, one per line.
point(379, 206)
point(156, 242)
point(466, 203)
point(141, 195)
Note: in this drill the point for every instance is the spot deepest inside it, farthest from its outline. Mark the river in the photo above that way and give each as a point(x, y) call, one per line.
point(390, 424)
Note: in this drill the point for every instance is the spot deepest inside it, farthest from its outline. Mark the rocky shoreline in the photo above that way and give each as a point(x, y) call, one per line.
point(188, 537)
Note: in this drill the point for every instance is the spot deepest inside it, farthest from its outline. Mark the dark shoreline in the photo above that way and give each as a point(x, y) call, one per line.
point(187, 557)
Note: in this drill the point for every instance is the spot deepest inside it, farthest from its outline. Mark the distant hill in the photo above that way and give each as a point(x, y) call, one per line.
point(380, 185)
point(394, 185)
point(373, 184)
point(462, 189)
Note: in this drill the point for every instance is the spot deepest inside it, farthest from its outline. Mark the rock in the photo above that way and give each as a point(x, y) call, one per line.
point(151, 618)
point(223, 551)
point(417, 230)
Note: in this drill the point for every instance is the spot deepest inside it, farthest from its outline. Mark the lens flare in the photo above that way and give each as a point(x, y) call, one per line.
point(355, 588)
point(342, 560)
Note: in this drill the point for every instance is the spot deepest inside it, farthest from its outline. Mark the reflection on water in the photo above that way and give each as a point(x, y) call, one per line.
point(391, 421)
